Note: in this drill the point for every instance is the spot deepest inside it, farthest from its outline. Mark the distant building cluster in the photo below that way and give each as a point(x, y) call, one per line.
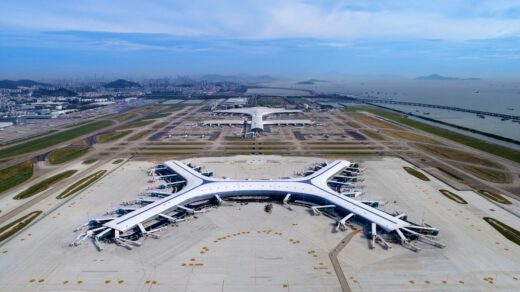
point(28, 99)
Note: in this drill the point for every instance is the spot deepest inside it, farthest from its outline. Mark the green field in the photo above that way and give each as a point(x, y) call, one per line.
point(175, 143)
point(454, 154)
point(495, 197)
point(504, 229)
point(488, 174)
point(136, 124)
point(330, 143)
point(453, 196)
point(117, 161)
point(15, 175)
point(179, 152)
point(495, 149)
point(155, 116)
point(111, 136)
point(372, 134)
point(139, 135)
point(27, 138)
point(324, 148)
point(44, 184)
point(81, 184)
point(125, 116)
point(416, 173)
point(89, 161)
point(160, 125)
point(53, 139)
point(8, 230)
point(68, 153)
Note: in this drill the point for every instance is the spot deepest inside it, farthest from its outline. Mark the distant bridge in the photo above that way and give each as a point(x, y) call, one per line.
point(445, 107)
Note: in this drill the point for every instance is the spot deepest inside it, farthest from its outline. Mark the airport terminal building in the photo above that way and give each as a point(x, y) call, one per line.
point(185, 189)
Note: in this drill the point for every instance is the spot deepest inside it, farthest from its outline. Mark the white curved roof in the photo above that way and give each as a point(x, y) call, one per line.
point(202, 187)
point(257, 114)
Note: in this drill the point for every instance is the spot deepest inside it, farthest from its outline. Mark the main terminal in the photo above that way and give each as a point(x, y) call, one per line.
point(186, 190)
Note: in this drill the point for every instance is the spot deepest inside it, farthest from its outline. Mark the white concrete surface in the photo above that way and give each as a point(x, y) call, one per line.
point(474, 249)
point(251, 258)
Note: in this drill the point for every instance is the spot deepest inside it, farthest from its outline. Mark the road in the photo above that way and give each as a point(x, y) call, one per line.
point(333, 255)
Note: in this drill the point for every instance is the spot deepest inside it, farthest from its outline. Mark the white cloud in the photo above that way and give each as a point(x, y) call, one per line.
point(332, 21)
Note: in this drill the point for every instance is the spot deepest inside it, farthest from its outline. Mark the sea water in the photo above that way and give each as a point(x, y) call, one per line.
point(497, 96)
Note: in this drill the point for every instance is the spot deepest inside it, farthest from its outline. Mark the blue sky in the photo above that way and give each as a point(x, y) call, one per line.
point(134, 38)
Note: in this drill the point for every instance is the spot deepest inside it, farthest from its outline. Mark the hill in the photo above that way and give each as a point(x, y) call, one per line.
point(121, 83)
point(310, 82)
point(237, 78)
point(56, 92)
point(11, 84)
point(440, 77)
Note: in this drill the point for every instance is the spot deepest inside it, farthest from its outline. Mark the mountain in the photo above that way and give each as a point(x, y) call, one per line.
point(56, 92)
point(237, 78)
point(11, 84)
point(121, 83)
point(440, 77)
point(310, 82)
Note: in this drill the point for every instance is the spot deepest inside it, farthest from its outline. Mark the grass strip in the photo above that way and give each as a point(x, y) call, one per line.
point(416, 173)
point(89, 161)
point(449, 173)
point(111, 136)
point(488, 174)
point(44, 184)
point(179, 152)
point(118, 161)
point(372, 134)
point(336, 143)
point(8, 230)
point(352, 148)
point(495, 197)
point(453, 196)
point(136, 124)
point(180, 147)
point(485, 146)
point(81, 184)
point(139, 135)
point(65, 154)
point(125, 116)
point(454, 154)
point(346, 152)
point(155, 116)
point(374, 121)
point(15, 175)
point(353, 124)
point(27, 138)
point(176, 143)
point(504, 229)
point(53, 139)
point(410, 136)
point(160, 125)
point(254, 143)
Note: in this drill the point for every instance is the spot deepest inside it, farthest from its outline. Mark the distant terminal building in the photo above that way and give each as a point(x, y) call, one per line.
point(234, 102)
point(256, 118)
